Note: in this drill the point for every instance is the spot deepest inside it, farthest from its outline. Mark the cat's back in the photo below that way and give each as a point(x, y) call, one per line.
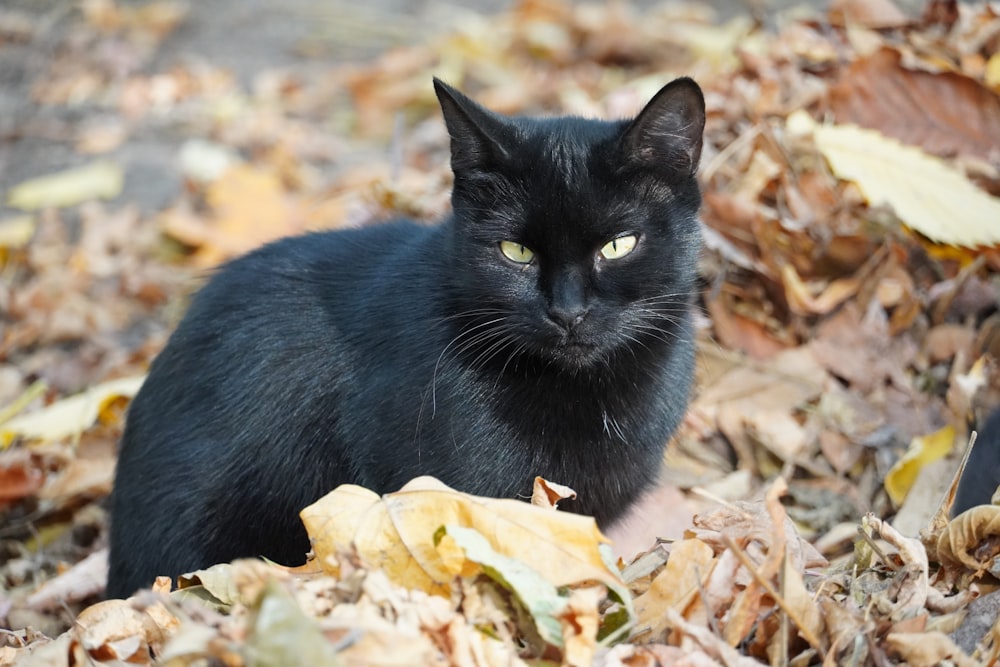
point(291, 323)
point(315, 287)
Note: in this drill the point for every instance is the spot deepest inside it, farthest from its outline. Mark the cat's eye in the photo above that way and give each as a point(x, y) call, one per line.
point(516, 252)
point(619, 247)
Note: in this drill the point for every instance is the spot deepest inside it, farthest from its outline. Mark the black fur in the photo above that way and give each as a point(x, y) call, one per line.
point(376, 355)
point(982, 471)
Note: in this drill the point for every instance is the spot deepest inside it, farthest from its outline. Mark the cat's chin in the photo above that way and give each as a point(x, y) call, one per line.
point(576, 356)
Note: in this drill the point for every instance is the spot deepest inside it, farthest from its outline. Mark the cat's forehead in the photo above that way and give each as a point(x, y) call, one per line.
point(566, 155)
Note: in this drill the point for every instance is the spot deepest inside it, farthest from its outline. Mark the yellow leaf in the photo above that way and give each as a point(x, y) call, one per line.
point(395, 533)
point(70, 416)
point(691, 562)
point(17, 231)
point(250, 207)
point(992, 73)
point(922, 451)
point(927, 194)
point(98, 180)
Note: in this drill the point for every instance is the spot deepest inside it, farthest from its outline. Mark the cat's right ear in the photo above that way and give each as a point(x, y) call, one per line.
point(477, 134)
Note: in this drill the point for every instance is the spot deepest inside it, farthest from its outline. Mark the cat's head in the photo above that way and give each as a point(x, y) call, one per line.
point(574, 239)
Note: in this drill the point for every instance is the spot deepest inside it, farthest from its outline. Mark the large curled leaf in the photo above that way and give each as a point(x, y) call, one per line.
point(927, 194)
point(396, 532)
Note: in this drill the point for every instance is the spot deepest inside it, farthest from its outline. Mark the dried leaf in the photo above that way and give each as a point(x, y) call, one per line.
point(396, 533)
point(282, 634)
point(922, 451)
point(928, 649)
point(944, 113)
point(580, 622)
point(740, 333)
point(15, 232)
point(926, 193)
point(84, 580)
point(540, 598)
point(913, 590)
point(21, 475)
point(878, 14)
point(760, 402)
point(801, 299)
point(992, 74)
point(81, 477)
point(69, 416)
point(249, 208)
point(116, 630)
point(548, 494)
point(98, 180)
point(691, 562)
point(961, 542)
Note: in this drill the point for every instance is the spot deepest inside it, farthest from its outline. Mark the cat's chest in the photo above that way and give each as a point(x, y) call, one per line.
point(568, 413)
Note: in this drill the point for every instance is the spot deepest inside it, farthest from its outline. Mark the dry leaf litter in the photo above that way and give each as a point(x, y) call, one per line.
point(850, 332)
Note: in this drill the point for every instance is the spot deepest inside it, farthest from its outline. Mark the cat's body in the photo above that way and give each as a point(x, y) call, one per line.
point(542, 330)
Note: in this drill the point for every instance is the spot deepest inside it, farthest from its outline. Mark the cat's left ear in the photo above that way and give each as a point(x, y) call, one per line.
point(667, 133)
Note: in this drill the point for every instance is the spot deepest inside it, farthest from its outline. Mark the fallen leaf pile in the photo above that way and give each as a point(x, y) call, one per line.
point(851, 293)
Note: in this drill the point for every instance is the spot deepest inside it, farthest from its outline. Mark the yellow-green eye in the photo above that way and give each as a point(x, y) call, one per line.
point(619, 247)
point(516, 252)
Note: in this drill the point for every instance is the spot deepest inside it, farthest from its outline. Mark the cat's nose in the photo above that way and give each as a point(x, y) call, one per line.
point(567, 317)
point(568, 300)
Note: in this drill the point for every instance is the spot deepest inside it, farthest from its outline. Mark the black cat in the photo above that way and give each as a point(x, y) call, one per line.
point(543, 329)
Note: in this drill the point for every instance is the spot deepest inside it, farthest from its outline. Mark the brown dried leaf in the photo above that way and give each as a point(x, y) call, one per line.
point(928, 649)
point(945, 341)
point(944, 113)
point(690, 563)
point(116, 630)
point(85, 579)
point(972, 539)
point(876, 14)
point(760, 402)
point(857, 347)
point(802, 609)
point(736, 332)
point(21, 475)
point(802, 300)
point(913, 589)
point(81, 477)
point(702, 637)
point(745, 522)
point(548, 494)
